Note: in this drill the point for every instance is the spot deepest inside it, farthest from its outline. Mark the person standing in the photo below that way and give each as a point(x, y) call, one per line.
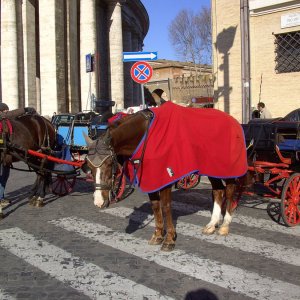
point(263, 111)
point(53, 117)
point(5, 113)
point(157, 96)
point(4, 169)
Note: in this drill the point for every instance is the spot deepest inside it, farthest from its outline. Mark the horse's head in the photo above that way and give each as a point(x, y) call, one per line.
point(102, 161)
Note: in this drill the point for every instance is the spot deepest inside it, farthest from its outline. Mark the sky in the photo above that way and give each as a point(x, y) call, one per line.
point(161, 14)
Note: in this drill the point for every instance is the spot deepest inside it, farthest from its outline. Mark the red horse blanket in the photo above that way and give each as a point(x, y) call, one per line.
point(182, 141)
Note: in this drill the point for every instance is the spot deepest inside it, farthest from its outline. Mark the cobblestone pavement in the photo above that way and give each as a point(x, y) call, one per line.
point(70, 249)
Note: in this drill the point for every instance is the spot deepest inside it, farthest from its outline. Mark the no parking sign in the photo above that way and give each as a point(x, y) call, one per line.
point(141, 72)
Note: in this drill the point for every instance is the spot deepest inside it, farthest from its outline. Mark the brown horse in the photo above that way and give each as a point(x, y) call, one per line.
point(32, 132)
point(121, 140)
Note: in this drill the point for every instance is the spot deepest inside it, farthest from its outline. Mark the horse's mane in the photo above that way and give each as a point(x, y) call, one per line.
point(127, 130)
point(120, 119)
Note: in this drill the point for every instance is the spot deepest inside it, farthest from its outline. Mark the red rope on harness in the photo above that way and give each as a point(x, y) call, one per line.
point(57, 160)
point(8, 124)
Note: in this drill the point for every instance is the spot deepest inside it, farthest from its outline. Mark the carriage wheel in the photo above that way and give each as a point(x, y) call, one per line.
point(274, 212)
point(62, 184)
point(188, 182)
point(290, 201)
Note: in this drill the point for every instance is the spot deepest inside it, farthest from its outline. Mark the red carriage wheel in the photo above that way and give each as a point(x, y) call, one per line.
point(188, 182)
point(63, 184)
point(290, 201)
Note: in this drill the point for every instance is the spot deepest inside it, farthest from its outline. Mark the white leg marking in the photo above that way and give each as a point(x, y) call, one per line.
point(224, 229)
point(216, 214)
point(215, 218)
point(227, 219)
point(98, 199)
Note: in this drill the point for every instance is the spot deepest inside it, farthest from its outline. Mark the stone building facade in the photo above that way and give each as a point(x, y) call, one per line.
point(44, 44)
point(274, 36)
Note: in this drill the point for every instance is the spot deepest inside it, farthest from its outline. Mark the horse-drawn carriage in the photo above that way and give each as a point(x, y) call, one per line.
point(274, 165)
point(72, 147)
point(54, 151)
point(273, 151)
point(273, 158)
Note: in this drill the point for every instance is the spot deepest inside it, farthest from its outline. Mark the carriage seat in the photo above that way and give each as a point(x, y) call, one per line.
point(264, 135)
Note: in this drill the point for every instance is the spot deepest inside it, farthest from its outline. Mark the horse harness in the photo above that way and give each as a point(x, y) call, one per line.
point(6, 147)
point(102, 150)
point(108, 152)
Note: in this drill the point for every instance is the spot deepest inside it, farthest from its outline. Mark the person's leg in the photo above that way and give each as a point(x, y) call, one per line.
point(4, 174)
point(1, 182)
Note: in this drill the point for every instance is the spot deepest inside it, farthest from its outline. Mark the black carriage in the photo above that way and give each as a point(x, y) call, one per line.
point(273, 148)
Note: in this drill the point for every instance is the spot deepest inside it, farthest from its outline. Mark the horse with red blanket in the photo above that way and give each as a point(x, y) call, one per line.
point(162, 145)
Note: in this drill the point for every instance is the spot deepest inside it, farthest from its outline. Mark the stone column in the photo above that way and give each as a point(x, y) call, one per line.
point(28, 11)
point(52, 56)
point(72, 57)
point(128, 81)
point(136, 87)
point(9, 59)
point(116, 55)
point(88, 44)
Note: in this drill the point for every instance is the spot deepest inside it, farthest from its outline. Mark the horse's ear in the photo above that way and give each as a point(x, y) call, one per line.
point(88, 140)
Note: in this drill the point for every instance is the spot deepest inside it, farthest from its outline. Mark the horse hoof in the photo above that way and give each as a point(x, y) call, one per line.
point(32, 200)
point(155, 240)
point(39, 203)
point(209, 230)
point(167, 247)
point(223, 231)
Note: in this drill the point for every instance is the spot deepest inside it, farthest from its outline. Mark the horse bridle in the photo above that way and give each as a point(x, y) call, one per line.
point(109, 154)
point(148, 115)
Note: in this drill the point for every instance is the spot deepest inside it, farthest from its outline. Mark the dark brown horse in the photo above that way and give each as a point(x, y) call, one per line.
point(32, 132)
point(121, 141)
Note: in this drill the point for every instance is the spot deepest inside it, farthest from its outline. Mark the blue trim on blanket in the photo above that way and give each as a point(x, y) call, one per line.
point(142, 140)
point(136, 181)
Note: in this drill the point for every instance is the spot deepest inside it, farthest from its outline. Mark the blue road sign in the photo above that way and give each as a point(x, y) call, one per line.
point(139, 56)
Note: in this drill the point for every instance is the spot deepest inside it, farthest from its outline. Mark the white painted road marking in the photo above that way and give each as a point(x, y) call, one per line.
point(5, 296)
point(87, 278)
point(235, 279)
point(274, 251)
point(238, 218)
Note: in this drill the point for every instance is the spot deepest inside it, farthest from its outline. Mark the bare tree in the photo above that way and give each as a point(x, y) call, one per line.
point(203, 24)
point(190, 34)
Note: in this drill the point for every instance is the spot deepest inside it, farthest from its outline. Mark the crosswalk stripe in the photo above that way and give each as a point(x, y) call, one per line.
point(5, 296)
point(233, 278)
point(238, 218)
point(274, 251)
point(87, 278)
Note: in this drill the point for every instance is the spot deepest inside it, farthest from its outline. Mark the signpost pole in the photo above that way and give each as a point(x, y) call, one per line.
point(143, 96)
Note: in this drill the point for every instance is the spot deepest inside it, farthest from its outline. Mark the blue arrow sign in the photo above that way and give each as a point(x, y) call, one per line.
point(139, 56)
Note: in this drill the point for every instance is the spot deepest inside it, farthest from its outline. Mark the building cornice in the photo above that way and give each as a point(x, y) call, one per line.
point(273, 7)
